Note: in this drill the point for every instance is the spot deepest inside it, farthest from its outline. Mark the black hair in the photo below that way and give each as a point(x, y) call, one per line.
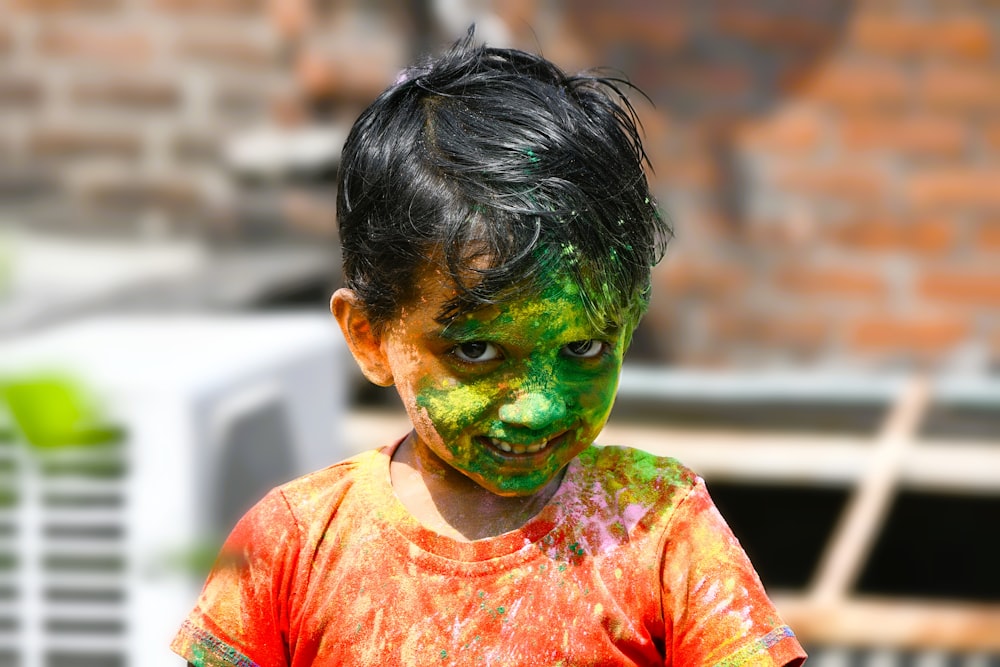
point(502, 168)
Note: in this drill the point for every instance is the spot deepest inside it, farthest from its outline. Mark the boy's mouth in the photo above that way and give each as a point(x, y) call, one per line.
point(530, 448)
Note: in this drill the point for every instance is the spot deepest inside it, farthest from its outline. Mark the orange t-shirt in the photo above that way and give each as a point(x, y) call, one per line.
point(629, 563)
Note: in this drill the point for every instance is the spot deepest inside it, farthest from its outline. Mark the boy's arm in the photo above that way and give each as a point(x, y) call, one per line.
point(717, 606)
point(241, 616)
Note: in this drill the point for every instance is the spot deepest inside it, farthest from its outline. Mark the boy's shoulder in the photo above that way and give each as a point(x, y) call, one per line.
point(624, 476)
point(632, 466)
point(621, 493)
point(327, 486)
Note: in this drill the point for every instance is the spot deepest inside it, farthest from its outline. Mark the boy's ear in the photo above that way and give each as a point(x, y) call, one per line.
point(364, 344)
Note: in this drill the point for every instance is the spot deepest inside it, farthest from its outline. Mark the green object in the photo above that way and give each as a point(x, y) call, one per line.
point(199, 558)
point(55, 411)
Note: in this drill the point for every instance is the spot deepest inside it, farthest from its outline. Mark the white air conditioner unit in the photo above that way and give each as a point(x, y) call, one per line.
point(97, 541)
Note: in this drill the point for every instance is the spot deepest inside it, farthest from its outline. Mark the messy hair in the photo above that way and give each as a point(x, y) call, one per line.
point(503, 169)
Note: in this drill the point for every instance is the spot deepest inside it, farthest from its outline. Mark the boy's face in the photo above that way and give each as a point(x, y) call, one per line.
point(509, 394)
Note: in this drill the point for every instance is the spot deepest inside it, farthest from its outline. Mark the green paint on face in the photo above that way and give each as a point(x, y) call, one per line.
point(602, 282)
point(531, 374)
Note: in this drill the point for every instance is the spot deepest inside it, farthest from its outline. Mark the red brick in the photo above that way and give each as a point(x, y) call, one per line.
point(291, 18)
point(212, 6)
point(708, 80)
point(135, 194)
point(241, 101)
point(853, 86)
point(6, 41)
point(654, 25)
point(773, 30)
point(992, 135)
point(65, 6)
point(22, 182)
point(834, 282)
point(988, 236)
point(932, 136)
point(955, 187)
point(657, 131)
point(688, 278)
point(69, 143)
point(695, 173)
point(892, 34)
point(980, 288)
point(788, 132)
point(19, 91)
point(966, 37)
point(994, 348)
point(323, 75)
point(227, 51)
point(134, 94)
point(958, 88)
point(794, 230)
point(110, 45)
point(920, 236)
point(806, 333)
point(191, 147)
point(843, 181)
point(908, 334)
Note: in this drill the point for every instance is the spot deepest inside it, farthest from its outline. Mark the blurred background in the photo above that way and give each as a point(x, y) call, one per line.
point(823, 343)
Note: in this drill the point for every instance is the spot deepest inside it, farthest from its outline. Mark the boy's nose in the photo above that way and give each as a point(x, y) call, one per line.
point(533, 410)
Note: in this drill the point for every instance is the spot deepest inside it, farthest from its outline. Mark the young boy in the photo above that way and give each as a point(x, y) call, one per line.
point(498, 237)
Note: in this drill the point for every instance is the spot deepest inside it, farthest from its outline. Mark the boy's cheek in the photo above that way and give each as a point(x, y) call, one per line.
point(594, 395)
point(451, 407)
point(454, 407)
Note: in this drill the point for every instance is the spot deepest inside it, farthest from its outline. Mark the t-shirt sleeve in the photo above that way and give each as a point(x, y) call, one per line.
point(715, 605)
point(241, 616)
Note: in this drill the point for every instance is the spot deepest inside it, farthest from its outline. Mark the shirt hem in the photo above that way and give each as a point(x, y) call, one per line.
point(203, 649)
point(770, 645)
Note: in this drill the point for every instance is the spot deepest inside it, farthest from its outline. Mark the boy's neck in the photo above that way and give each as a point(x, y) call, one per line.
point(444, 500)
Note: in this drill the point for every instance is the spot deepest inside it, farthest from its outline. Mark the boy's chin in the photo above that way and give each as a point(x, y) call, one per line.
point(515, 493)
point(518, 486)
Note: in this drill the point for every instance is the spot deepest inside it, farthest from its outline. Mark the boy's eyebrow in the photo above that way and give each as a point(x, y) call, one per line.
point(469, 328)
point(611, 329)
point(460, 329)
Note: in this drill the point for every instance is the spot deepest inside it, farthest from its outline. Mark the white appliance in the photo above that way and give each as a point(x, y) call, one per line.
point(102, 546)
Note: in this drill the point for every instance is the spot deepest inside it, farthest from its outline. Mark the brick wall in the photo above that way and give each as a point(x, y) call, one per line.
point(116, 114)
point(837, 189)
point(832, 167)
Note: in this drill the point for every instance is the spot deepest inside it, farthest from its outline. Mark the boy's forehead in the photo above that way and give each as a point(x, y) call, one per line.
point(533, 309)
point(554, 294)
point(523, 320)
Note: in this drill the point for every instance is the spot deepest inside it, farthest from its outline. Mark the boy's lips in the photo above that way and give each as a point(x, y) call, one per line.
point(508, 448)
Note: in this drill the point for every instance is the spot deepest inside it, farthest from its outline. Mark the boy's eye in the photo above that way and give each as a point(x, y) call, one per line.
point(476, 351)
point(585, 349)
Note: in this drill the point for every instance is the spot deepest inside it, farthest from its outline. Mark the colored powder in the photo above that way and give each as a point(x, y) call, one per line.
point(540, 389)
